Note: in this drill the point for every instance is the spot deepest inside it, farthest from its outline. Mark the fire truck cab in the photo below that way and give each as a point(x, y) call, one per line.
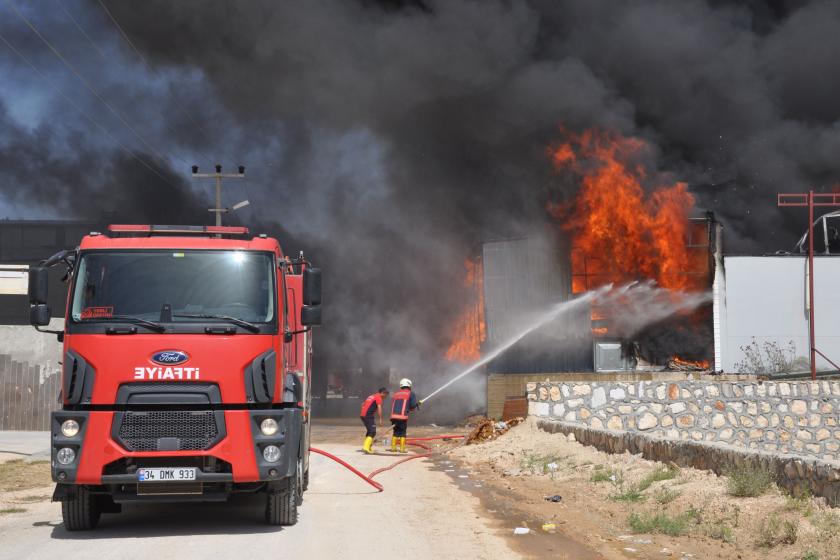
point(186, 370)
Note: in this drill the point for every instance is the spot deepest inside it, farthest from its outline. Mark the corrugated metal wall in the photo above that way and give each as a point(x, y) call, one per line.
point(522, 276)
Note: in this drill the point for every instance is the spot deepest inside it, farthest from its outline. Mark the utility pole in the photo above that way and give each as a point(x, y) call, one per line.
point(810, 199)
point(218, 176)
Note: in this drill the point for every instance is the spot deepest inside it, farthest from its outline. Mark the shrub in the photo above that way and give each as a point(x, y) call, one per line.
point(773, 531)
point(659, 523)
point(748, 481)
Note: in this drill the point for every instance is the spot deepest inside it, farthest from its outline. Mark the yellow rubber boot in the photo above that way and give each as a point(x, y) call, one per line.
point(368, 444)
point(402, 445)
point(393, 444)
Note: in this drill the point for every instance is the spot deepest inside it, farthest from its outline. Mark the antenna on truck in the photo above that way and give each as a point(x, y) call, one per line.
point(218, 176)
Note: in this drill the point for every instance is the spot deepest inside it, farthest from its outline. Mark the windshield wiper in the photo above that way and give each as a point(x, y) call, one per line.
point(151, 325)
point(238, 322)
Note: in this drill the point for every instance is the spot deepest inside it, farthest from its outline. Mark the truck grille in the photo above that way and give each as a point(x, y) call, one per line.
point(166, 430)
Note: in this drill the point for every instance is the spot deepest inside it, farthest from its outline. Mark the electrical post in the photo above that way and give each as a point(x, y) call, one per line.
point(811, 200)
point(218, 176)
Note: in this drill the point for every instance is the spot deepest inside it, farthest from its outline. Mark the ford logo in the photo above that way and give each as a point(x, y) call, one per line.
point(170, 357)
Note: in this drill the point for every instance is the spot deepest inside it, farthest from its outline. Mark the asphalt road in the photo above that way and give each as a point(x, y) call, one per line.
point(422, 514)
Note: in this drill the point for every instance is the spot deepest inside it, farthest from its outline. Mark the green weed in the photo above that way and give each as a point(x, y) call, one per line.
point(748, 481)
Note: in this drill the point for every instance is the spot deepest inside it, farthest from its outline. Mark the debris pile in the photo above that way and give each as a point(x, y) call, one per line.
point(486, 429)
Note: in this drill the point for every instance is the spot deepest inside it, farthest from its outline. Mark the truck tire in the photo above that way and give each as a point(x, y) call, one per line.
point(80, 512)
point(281, 507)
point(306, 480)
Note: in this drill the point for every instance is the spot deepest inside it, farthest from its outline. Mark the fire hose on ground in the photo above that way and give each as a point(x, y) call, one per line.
point(369, 477)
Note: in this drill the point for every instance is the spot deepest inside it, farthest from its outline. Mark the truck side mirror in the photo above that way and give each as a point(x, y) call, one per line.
point(38, 285)
point(310, 315)
point(312, 286)
point(39, 315)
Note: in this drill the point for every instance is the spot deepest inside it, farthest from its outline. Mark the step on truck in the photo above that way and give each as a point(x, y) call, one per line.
point(186, 372)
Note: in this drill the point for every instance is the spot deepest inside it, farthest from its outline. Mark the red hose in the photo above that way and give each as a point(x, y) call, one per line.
point(347, 465)
point(369, 478)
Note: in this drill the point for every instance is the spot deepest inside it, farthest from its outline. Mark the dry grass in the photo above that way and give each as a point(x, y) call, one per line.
point(20, 475)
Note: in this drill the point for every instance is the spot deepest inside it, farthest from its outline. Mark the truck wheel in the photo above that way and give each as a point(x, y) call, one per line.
point(80, 512)
point(281, 507)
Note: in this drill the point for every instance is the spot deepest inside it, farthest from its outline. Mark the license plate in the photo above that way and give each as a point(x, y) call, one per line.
point(166, 474)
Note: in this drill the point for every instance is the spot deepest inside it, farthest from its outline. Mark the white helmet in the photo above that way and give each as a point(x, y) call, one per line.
point(405, 382)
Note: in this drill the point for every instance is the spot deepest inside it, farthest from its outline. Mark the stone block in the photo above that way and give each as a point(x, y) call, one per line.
point(712, 390)
point(617, 394)
point(582, 389)
point(696, 435)
point(814, 420)
point(660, 392)
point(718, 421)
point(774, 420)
point(565, 390)
point(625, 409)
point(657, 408)
point(799, 407)
point(538, 409)
point(599, 397)
point(676, 408)
point(570, 416)
point(543, 392)
point(686, 420)
point(784, 389)
point(597, 424)
point(615, 423)
point(719, 405)
point(666, 421)
point(823, 434)
point(672, 434)
point(574, 403)
point(764, 407)
point(752, 408)
point(748, 390)
point(746, 421)
point(788, 422)
point(762, 421)
point(559, 410)
point(826, 408)
point(554, 393)
point(804, 435)
point(756, 434)
point(531, 386)
point(584, 413)
point(673, 391)
point(647, 421)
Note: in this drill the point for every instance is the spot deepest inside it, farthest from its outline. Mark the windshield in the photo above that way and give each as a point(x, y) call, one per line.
point(161, 285)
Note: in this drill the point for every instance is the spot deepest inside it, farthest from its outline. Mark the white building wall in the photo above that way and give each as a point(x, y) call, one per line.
point(766, 298)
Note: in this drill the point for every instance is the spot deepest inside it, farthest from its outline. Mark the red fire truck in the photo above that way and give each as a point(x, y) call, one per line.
point(186, 371)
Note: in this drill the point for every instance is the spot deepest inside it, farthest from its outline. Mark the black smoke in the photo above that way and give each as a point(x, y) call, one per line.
point(388, 139)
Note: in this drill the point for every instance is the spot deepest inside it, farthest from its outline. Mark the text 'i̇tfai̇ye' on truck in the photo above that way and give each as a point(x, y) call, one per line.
point(186, 371)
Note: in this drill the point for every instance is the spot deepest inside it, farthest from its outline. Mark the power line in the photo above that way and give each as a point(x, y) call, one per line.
point(90, 40)
point(148, 66)
point(153, 71)
point(83, 80)
point(79, 27)
point(85, 115)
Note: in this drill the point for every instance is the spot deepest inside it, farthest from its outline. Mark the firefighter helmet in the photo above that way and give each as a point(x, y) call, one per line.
point(405, 382)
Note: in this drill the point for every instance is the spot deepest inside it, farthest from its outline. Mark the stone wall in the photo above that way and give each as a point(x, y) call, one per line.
point(795, 475)
point(788, 418)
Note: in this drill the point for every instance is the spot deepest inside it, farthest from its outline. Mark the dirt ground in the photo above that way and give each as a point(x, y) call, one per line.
point(603, 507)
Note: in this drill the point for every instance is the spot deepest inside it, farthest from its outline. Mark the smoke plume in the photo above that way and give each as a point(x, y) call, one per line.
point(388, 139)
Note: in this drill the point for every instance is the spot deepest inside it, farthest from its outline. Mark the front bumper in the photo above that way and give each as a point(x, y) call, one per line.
point(235, 458)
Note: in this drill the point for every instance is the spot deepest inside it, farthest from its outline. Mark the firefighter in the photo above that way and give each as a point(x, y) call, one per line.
point(370, 407)
point(402, 403)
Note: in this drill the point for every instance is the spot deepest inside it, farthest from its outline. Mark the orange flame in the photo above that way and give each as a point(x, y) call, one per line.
point(620, 232)
point(469, 330)
point(700, 364)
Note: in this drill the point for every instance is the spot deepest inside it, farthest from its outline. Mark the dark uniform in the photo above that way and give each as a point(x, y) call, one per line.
point(369, 408)
point(402, 403)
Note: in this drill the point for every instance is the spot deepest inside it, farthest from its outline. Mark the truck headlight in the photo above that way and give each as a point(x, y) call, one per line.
point(66, 455)
point(271, 453)
point(268, 427)
point(69, 428)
